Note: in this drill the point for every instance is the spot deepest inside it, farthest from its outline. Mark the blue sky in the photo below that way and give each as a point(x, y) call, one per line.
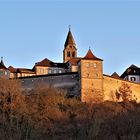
point(31, 30)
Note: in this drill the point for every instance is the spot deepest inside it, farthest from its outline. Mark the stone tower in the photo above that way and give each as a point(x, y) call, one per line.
point(70, 50)
point(91, 78)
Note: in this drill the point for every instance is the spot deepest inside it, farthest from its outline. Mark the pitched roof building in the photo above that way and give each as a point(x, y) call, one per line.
point(132, 73)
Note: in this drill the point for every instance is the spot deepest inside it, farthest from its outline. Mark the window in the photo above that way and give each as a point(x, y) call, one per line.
point(133, 78)
point(41, 71)
point(49, 71)
point(73, 54)
point(134, 71)
point(68, 54)
point(87, 64)
point(54, 71)
point(95, 65)
point(6, 73)
point(60, 71)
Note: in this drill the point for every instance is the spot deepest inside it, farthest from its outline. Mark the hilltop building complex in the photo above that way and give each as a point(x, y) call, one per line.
point(86, 72)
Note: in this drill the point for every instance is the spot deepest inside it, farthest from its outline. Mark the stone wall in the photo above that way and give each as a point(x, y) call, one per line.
point(91, 80)
point(111, 85)
point(64, 80)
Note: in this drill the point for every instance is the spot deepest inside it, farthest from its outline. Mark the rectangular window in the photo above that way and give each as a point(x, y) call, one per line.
point(49, 71)
point(41, 71)
point(6, 73)
point(54, 71)
point(95, 65)
point(60, 71)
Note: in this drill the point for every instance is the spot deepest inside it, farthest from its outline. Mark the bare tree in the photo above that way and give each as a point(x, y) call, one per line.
point(124, 92)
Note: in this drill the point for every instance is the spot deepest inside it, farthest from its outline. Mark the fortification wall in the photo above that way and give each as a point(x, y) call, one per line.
point(111, 85)
point(66, 80)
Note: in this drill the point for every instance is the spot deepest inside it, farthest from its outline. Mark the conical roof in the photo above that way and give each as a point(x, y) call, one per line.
point(91, 56)
point(2, 66)
point(69, 39)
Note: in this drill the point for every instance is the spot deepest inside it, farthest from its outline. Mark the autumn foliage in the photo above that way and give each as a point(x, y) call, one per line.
point(45, 113)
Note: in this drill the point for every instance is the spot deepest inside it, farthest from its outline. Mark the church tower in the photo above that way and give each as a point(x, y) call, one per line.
point(91, 78)
point(70, 50)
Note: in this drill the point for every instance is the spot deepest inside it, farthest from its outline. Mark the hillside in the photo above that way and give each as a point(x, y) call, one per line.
point(45, 113)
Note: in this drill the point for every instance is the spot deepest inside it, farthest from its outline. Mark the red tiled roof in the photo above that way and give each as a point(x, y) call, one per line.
point(12, 69)
point(45, 63)
point(91, 56)
point(20, 70)
point(74, 61)
point(24, 70)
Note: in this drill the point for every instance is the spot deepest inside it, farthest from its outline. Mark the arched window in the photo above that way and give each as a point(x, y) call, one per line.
point(73, 54)
point(68, 54)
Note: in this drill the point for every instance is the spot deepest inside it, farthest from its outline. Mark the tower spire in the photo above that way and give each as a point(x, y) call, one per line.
point(69, 27)
point(69, 39)
point(2, 60)
point(70, 50)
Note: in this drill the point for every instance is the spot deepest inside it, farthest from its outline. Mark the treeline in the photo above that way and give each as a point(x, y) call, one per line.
point(45, 113)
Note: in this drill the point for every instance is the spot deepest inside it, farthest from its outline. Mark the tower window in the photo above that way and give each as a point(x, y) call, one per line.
point(68, 54)
point(95, 65)
point(73, 54)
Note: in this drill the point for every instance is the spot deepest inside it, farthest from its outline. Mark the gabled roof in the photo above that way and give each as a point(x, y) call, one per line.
point(24, 70)
point(132, 70)
point(134, 67)
point(45, 63)
point(115, 75)
point(69, 39)
point(12, 69)
point(74, 61)
point(20, 70)
point(2, 66)
point(48, 63)
point(91, 56)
